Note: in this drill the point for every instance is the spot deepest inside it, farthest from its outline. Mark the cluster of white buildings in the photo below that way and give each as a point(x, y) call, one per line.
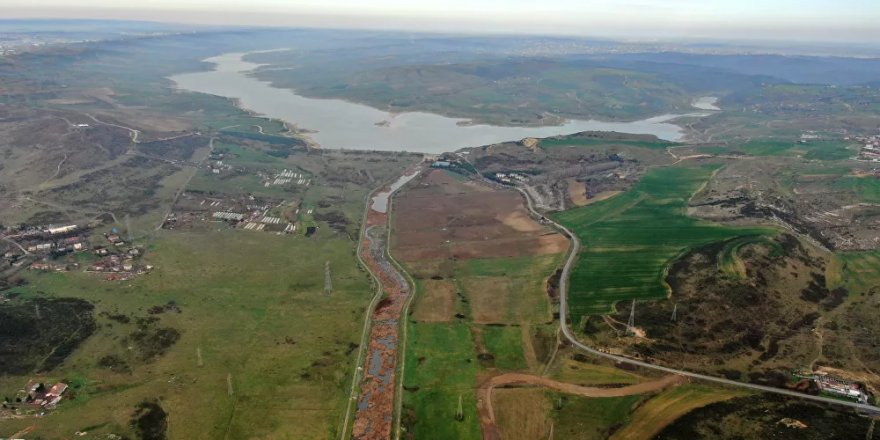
point(288, 176)
point(870, 147)
point(221, 215)
point(836, 386)
point(509, 178)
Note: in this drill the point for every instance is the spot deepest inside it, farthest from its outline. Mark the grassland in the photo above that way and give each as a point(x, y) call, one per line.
point(475, 314)
point(729, 262)
point(506, 345)
point(658, 412)
point(867, 189)
point(446, 357)
point(522, 413)
point(590, 418)
point(629, 240)
point(252, 305)
point(813, 150)
point(257, 349)
point(855, 271)
point(441, 368)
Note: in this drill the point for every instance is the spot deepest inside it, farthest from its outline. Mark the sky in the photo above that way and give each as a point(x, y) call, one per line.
point(802, 20)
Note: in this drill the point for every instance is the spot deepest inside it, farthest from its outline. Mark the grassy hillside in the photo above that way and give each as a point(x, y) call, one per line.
point(629, 240)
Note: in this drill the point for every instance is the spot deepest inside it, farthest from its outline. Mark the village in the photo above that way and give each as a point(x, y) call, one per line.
point(870, 147)
point(70, 247)
point(249, 213)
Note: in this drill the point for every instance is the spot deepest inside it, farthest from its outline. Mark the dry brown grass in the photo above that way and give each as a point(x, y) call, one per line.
point(490, 299)
point(577, 192)
point(522, 413)
point(436, 301)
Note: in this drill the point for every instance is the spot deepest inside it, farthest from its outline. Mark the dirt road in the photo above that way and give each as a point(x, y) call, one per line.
point(487, 413)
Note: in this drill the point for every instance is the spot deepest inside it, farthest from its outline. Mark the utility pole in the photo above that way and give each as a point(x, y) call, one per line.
point(459, 415)
point(328, 284)
point(631, 325)
point(674, 312)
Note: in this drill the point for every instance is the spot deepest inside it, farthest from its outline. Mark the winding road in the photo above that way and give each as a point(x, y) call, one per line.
point(487, 412)
point(574, 250)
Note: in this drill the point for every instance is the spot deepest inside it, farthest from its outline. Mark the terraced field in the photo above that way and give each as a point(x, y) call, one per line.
point(630, 239)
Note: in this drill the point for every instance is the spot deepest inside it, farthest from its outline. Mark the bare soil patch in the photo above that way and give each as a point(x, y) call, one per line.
point(443, 217)
point(522, 413)
point(577, 192)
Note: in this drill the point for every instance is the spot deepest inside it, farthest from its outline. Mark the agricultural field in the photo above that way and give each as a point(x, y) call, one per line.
point(809, 150)
point(629, 239)
point(481, 307)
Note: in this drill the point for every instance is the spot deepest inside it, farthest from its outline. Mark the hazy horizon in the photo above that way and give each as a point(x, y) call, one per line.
point(847, 21)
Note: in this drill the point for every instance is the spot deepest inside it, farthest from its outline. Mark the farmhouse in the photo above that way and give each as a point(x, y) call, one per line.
point(36, 395)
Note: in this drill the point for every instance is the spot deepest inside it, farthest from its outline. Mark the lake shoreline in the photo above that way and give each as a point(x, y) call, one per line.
point(342, 124)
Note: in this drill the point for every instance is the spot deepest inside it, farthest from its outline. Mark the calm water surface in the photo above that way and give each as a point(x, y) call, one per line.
point(340, 124)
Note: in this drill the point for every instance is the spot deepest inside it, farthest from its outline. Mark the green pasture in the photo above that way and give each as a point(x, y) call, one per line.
point(855, 271)
point(506, 344)
point(253, 307)
point(589, 418)
point(867, 189)
point(441, 367)
point(629, 240)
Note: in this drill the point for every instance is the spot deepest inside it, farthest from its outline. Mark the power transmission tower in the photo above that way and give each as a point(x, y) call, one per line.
point(328, 284)
point(631, 325)
point(128, 228)
point(459, 414)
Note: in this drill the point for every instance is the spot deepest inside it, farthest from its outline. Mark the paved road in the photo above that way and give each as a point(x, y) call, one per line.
point(566, 331)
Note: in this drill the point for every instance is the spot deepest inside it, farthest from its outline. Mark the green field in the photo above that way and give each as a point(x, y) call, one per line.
point(442, 361)
point(729, 262)
point(590, 418)
point(867, 189)
point(855, 271)
point(629, 240)
point(505, 343)
point(813, 150)
point(441, 366)
point(252, 304)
